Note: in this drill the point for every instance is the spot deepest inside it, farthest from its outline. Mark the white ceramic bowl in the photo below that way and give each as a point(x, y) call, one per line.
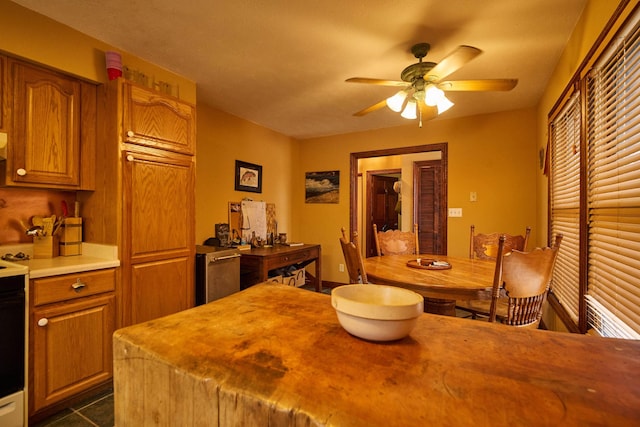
point(377, 312)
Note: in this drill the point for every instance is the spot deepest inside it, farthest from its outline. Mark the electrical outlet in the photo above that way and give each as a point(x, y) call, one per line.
point(341, 268)
point(473, 196)
point(455, 212)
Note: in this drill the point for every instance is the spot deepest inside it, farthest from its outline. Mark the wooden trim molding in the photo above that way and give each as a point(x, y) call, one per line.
point(562, 313)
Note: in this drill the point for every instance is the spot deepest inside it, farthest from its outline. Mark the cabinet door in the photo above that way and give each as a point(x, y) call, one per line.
point(156, 120)
point(71, 348)
point(44, 143)
point(159, 200)
point(161, 288)
point(158, 253)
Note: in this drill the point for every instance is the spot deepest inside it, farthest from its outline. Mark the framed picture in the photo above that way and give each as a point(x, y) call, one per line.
point(248, 177)
point(322, 187)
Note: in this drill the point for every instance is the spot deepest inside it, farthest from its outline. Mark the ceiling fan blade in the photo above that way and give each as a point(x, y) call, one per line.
point(452, 62)
point(374, 107)
point(478, 85)
point(377, 81)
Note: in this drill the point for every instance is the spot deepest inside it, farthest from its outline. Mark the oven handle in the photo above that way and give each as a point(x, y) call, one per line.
point(222, 258)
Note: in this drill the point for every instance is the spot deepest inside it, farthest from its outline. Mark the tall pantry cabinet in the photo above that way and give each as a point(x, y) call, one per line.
point(145, 198)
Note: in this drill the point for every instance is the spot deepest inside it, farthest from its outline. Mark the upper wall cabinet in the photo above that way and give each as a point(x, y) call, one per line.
point(157, 120)
point(51, 124)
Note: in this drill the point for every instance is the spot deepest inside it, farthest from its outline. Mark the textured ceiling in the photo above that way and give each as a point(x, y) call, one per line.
point(282, 64)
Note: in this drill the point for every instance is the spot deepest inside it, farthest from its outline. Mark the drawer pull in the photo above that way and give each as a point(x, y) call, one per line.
point(130, 133)
point(21, 172)
point(43, 322)
point(78, 285)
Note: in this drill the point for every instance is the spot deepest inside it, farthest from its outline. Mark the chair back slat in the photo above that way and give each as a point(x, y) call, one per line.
point(353, 258)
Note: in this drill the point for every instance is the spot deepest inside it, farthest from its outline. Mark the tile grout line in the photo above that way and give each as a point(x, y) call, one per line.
point(77, 412)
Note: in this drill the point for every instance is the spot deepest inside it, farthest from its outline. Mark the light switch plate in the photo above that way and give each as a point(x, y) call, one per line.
point(455, 212)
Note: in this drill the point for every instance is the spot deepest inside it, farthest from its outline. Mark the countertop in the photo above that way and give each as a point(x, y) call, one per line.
point(277, 355)
point(94, 257)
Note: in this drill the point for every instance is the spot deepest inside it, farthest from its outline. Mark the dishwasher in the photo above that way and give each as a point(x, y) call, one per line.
point(217, 273)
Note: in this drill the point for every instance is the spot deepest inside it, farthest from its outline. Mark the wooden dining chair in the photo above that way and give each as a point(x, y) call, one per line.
point(396, 242)
point(520, 285)
point(485, 246)
point(353, 258)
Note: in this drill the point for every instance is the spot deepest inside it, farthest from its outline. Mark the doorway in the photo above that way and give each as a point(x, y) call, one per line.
point(382, 204)
point(425, 192)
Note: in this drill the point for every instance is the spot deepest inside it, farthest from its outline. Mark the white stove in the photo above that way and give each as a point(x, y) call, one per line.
point(8, 269)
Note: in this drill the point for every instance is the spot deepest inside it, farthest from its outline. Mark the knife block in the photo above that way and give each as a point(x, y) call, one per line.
point(71, 237)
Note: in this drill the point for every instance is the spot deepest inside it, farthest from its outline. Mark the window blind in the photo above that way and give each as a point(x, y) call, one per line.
point(565, 203)
point(613, 184)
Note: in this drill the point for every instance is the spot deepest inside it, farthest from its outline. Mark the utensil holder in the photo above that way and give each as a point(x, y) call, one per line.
point(45, 247)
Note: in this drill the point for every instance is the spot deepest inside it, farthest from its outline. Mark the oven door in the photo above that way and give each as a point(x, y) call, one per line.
point(12, 319)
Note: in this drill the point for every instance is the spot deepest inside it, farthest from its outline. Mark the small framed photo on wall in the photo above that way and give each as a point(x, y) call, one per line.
point(248, 177)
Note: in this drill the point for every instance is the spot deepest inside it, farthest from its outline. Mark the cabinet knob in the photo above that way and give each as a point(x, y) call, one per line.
point(130, 158)
point(43, 322)
point(21, 172)
point(130, 133)
point(78, 285)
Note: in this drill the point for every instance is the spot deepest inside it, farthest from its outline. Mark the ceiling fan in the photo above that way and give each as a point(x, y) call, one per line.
point(422, 94)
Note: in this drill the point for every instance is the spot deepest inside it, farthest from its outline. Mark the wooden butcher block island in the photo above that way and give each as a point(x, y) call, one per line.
point(274, 355)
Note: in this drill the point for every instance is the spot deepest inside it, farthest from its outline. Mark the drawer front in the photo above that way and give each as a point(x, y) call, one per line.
point(288, 259)
point(72, 286)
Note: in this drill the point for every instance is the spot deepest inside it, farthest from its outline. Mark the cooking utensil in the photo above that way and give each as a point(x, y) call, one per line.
point(36, 230)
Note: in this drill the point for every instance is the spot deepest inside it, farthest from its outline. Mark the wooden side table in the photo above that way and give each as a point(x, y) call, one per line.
point(256, 263)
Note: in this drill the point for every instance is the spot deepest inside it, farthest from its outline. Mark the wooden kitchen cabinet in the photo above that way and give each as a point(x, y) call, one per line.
point(71, 323)
point(145, 202)
point(51, 125)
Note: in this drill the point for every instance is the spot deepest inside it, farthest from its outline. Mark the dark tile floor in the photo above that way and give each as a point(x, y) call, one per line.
point(96, 411)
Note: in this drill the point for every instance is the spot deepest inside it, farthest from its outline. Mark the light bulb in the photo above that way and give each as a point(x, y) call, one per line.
point(396, 101)
point(410, 110)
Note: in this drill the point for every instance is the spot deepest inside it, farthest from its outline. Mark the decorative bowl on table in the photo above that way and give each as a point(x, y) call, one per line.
point(377, 312)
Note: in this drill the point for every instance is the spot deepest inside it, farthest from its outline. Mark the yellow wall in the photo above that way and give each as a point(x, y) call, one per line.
point(39, 39)
point(223, 139)
point(493, 155)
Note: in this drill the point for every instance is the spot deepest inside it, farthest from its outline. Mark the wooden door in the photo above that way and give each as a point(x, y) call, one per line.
point(430, 195)
point(45, 136)
point(71, 348)
point(382, 202)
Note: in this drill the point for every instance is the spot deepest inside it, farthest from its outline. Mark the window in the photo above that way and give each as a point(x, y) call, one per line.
point(565, 203)
point(594, 189)
point(613, 187)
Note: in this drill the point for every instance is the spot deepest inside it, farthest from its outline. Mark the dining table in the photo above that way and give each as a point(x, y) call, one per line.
point(462, 278)
point(276, 355)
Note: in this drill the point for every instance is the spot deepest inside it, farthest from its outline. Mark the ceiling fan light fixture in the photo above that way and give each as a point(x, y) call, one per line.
point(409, 111)
point(396, 101)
